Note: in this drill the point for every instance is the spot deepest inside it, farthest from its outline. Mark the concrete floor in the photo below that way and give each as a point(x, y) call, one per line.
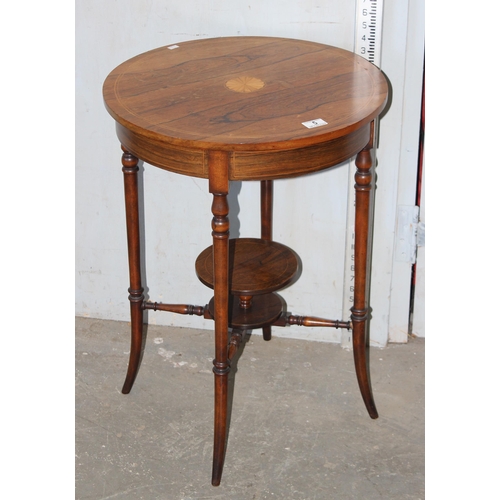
point(298, 429)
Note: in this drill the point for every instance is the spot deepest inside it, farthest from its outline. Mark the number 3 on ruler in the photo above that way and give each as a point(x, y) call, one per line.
point(368, 29)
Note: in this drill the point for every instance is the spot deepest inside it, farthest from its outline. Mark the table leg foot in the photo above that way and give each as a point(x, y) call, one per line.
point(221, 372)
point(361, 360)
point(136, 314)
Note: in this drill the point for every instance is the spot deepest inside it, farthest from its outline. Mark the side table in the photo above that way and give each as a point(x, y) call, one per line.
point(238, 109)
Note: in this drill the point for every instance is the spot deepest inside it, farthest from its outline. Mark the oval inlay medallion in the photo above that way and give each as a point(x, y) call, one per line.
point(245, 84)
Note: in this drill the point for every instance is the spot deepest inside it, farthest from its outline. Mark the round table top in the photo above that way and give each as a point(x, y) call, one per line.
point(245, 93)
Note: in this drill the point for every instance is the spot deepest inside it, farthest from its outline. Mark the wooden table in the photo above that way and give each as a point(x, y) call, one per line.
point(237, 109)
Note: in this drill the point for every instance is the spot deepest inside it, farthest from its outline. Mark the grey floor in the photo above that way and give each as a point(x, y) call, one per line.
point(298, 428)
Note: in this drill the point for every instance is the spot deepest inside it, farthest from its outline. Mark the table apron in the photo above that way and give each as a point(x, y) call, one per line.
point(268, 165)
point(246, 165)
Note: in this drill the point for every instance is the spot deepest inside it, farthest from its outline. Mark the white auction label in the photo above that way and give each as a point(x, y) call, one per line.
point(172, 47)
point(314, 123)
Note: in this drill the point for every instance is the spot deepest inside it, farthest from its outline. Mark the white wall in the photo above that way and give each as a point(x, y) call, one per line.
point(310, 212)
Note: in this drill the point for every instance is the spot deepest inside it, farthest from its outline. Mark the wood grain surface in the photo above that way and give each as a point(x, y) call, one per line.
point(187, 95)
point(256, 266)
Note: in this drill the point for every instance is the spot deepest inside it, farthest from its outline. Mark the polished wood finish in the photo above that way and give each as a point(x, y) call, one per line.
point(176, 308)
point(219, 187)
point(256, 266)
point(359, 310)
point(172, 105)
point(315, 321)
point(263, 312)
point(136, 291)
point(266, 224)
point(236, 109)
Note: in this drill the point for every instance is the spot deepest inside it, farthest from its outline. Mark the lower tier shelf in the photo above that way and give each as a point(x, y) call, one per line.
point(256, 266)
point(264, 311)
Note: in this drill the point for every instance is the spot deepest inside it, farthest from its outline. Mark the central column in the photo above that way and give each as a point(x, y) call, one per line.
point(218, 168)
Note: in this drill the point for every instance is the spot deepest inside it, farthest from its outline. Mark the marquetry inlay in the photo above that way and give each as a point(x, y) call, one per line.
point(245, 84)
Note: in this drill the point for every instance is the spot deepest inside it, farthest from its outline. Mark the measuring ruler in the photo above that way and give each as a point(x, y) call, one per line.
point(369, 29)
point(367, 44)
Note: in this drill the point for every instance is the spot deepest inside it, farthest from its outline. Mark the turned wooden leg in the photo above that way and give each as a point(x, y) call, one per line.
point(136, 296)
point(219, 187)
point(359, 310)
point(266, 221)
